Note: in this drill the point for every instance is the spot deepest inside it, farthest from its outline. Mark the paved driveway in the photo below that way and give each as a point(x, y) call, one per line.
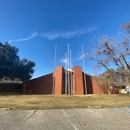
point(66, 119)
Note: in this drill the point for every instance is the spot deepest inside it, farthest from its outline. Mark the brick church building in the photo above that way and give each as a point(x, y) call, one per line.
point(63, 81)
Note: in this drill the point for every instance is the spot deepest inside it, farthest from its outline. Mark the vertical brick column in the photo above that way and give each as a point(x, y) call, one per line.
point(78, 81)
point(58, 74)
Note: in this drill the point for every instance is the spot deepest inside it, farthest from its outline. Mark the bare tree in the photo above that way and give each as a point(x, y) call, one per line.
point(99, 82)
point(126, 27)
point(113, 51)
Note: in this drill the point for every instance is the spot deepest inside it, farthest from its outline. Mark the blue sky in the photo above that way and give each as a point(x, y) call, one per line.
point(35, 26)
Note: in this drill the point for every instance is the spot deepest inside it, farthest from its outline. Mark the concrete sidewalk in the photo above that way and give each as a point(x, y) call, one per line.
point(65, 119)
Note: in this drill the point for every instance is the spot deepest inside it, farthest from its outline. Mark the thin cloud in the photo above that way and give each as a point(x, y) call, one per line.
point(24, 39)
point(69, 34)
point(80, 57)
point(64, 60)
point(91, 29)
point(63, 35)
point(56, 35)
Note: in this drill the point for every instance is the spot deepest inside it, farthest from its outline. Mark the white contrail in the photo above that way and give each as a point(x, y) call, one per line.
point(64, 35)
point(56, 35)
point(69, 34)
point(24, 39)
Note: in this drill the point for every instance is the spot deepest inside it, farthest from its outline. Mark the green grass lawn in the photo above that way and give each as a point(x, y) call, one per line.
point(31, 102)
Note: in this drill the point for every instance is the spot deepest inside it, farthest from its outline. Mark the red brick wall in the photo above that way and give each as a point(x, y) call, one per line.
point(89, 84)
point(63, 81)
point(59, 80)
point(74, 83)
point(93, 85)
point(96, 85)
point(8, 87)
point(44, 84)
point(40, 85)
point(78, 81)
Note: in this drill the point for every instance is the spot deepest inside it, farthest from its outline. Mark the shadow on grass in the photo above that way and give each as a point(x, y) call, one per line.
point(123, 94)
point(9, 93)
point(21, 94)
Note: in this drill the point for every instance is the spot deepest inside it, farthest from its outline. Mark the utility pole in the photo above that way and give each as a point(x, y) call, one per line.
point(71, 73)
point(68, 72)
point(54, 69)
point(84, 71)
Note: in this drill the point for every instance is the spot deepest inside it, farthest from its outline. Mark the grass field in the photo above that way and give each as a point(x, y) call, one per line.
point(31, 102)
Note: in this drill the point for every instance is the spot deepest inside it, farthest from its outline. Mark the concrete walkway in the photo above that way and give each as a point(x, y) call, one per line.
point(66, 119)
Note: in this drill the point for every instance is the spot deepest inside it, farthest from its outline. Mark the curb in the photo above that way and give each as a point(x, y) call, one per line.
point(5, 109)
point(95, 107)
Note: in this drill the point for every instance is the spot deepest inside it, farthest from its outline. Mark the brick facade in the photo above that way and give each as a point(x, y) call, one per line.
point(40, 85)
point(78, 81)
point(9, 87)
point(44, 84)
point(59, 80)
point(95, 85)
